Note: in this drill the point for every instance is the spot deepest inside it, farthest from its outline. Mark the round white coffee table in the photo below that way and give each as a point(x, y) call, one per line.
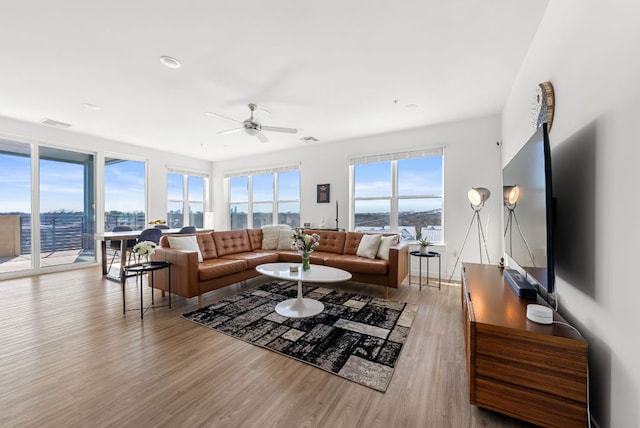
point(302, 307)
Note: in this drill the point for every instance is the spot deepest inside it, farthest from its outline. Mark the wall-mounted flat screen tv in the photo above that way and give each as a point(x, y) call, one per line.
point(529, 212)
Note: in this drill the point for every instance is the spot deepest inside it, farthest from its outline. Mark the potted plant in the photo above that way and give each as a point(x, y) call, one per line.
point(424, 245)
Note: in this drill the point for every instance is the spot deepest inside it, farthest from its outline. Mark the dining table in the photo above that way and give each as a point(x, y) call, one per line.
point(123, 236)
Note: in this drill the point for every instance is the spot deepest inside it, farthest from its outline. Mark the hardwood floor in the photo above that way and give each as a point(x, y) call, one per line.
point(68, 357)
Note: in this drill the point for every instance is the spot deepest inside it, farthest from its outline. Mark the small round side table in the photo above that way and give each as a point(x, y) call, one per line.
point(138, 270)
point(428, 256)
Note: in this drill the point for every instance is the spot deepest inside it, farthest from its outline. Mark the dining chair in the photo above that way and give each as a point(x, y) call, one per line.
point(115, 245)
point(187, 229)
point(154, 234)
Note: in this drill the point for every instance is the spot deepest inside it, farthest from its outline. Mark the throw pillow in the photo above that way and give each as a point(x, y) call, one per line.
point(385, 243)
point(285, 238)
point(369, 246)
point(189, 243)
point(271, 236)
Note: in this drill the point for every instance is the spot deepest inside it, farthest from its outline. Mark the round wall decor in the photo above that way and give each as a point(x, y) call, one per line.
point(543, 106)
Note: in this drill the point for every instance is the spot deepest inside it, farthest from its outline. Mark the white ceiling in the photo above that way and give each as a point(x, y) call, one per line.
point(335, 69)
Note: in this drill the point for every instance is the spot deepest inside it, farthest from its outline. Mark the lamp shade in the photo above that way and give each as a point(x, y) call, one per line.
point(478, 195)
point(511, 194)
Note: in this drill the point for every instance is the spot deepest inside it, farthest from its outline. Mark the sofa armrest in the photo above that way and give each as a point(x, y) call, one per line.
point(184, 271)
point(398, 263)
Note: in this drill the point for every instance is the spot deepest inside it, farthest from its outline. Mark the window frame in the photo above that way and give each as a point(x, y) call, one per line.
point(250, 201)
point(395, 197)
point(186, 201)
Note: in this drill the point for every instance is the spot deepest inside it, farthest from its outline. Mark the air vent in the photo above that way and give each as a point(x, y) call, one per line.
point(309, 139)
point(55, 123)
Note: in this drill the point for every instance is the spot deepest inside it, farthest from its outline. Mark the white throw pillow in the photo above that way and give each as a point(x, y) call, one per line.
point(189, 243)
point(369, 246)
point(285, 238)
point(271, 235)
point(385, 243)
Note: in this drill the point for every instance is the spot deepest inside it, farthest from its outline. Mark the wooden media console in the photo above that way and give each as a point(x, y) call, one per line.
point(530, 371)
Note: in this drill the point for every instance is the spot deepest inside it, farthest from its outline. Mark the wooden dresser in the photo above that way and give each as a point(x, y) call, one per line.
point(530, 371)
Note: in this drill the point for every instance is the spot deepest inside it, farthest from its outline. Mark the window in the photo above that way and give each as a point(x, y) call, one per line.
point(265, 197)
point(124, 193)
point(186, 199)
point(399, 193)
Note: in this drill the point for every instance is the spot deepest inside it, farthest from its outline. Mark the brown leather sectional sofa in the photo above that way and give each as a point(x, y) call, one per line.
point(231, 256)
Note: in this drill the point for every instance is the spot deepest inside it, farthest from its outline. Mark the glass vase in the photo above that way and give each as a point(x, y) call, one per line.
point(306, 264)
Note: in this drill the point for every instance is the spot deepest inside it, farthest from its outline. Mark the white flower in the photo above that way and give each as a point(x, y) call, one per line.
point(145, 248)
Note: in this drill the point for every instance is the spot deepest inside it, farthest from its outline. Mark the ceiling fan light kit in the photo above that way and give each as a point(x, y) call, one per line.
point(251, 127)
point(170, 62)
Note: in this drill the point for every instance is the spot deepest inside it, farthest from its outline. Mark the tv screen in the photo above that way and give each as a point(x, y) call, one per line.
point(528, 212)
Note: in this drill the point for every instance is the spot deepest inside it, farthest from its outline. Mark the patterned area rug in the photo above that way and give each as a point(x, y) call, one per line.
point(356, 337)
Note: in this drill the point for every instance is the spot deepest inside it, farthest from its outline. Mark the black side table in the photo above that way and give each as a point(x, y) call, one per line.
point(429, 255)
point(138, 270)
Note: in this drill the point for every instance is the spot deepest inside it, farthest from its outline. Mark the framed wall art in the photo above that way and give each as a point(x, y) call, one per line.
point(323, 193)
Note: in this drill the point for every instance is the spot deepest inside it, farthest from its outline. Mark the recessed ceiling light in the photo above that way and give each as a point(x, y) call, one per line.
point(91, 106)
point(170, 62)
point(309, 139)
point(55, 123)
point(411, 106)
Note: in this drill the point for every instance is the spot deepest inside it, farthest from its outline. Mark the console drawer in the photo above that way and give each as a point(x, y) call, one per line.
point(545, 380)
point(565, 356)
point(537, 407)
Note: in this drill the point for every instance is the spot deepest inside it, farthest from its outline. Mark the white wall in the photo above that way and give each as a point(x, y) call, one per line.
point(589, 50)
point(472, 158)
point(157, 161)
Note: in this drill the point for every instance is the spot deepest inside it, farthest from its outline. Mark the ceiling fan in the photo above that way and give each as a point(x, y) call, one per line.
point(253, 128)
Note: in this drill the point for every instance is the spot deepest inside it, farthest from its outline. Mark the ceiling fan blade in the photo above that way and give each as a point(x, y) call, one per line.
point(208, 113)
point(229, 131)
point(263, 138)
point(279, 129)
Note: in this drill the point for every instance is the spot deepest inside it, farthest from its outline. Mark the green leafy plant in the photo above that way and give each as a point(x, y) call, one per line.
point(424, 242)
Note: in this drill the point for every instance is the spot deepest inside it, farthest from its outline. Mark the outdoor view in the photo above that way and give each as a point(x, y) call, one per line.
point(176, 202)
point(66, 195)
point(417, 200)
point(263, 201)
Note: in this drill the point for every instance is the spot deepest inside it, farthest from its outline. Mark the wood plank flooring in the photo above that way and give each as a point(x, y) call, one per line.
point(69, 358)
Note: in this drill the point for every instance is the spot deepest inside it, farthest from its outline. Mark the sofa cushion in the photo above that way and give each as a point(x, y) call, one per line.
point(330, 241)
point(189, 243)
point(255, 239)
point(385, 244)
point(254, 259)
point(215, 268)
point(351, 242)
point(368, 246)
point(285, 239)
point(289, 256)
point(231, 242)
point(207, 246)
point(355, 264)
point(271, 235)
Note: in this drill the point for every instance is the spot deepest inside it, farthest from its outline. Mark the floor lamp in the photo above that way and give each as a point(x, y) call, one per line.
point(511, 194)
point(477, 197)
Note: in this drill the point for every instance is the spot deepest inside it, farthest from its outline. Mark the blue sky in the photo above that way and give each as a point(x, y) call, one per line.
point(61, 185)
point(15, 181)
point(416, 177)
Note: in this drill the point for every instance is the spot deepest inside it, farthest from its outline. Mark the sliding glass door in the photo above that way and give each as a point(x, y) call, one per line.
point(67, 207)
point(15, 207)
